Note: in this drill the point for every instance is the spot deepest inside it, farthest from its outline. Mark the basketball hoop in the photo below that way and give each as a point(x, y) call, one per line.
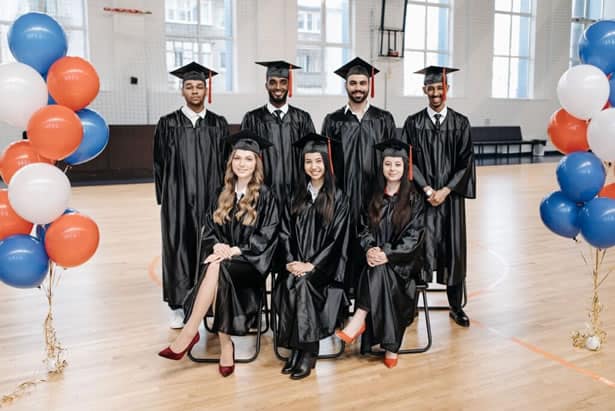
point(125, 11)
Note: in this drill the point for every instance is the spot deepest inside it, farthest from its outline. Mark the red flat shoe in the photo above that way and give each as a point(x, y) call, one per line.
point(224, 370)
point(169, 354)
point(390, 362)
point(348, 339)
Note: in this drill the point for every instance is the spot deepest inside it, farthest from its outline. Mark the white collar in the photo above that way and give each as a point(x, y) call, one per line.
point(239, 194)
point(271, 108)
point(313, 191)
point(357, 115)
point(431, 113)
point(192, 116)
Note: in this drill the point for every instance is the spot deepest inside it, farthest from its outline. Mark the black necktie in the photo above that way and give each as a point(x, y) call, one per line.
point(437, 117)
point(278, 115)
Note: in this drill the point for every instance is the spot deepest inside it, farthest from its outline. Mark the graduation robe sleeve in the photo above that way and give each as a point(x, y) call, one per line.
point(159, 159)
point(462, 181)
point(332, 256)
point(262, 244)
point(405, 253)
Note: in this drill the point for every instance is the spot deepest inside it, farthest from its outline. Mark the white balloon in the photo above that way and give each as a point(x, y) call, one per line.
point(583, 90)
point(593, 343)
point(39, 192)
point(601, 134)
point(22, 92)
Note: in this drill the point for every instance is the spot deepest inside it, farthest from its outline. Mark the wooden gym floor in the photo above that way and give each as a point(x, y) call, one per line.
point(528, 291)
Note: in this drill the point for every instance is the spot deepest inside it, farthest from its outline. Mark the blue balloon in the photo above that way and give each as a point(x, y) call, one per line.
point(612, 91)
point(581, 176)
point(560, 214)
point(597, 46)
point(23, 261)
point(95, 137)
point(41, 229)
point(37, 40)
point(597, 221)
point(50, 99)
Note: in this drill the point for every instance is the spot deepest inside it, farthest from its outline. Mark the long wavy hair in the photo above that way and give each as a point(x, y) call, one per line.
point(402, 210)
point(325, 201)
point(247, 205)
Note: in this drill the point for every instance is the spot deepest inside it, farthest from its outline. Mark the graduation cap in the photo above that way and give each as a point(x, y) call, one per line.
point(317, 143)
point(195, 71)
point(397, 148)
point(358, 66)
point(248, 140)
point(280, 68)
point(437, 74)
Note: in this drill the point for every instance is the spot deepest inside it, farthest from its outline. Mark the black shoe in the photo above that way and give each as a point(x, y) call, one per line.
point(304, 367)
point(291, 362)
point(460, 317)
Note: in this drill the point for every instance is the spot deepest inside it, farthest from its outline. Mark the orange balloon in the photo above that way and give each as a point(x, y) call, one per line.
point(73, 82)
point(55, 131)
point(10, 222)
point(71, 240)
point(17, 155)
point(567, 132)
point(608, 191)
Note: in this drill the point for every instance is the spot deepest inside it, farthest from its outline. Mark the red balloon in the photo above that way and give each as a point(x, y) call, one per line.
point(608, 191)
point(71, 240)
point(568, 133)
point(10, 222)
point(17, 155)
point(73, 82)
point(55, 131)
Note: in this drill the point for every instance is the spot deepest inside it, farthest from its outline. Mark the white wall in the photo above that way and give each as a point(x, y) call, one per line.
point(123, 45)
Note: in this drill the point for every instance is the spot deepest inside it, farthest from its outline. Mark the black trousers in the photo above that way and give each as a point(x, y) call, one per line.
point(455, 295)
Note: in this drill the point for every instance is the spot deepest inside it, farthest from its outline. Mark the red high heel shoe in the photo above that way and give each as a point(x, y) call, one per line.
point(168, 353)
point(348, 339)
point(224, 370)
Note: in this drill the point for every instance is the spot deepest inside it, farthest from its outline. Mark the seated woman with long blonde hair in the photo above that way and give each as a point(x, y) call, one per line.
point(239, 239)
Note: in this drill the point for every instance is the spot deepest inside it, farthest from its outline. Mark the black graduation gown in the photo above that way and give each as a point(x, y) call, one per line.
point(282, 162)
point(357, 164)
point(387, 291)
point(188, 169)
point(309, 306)
point(444, 158)
point(242, 277)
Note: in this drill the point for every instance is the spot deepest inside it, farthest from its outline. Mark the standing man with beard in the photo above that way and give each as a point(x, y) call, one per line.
point(359, 126)
point(282, 125)
point(188, 169)
point(443, 159)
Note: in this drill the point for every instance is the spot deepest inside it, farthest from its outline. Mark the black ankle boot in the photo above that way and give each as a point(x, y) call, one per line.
point(304, 366)
point(291, 362)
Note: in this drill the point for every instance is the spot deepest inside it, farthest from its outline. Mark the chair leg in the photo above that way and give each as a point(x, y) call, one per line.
point(257, 347)
point(464, 301)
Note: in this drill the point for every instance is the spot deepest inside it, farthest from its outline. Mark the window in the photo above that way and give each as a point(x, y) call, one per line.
point(428, 27)
point(323, 44)
point(513, 38)
point(201, 31)
point(69, 13)
point(584, 13)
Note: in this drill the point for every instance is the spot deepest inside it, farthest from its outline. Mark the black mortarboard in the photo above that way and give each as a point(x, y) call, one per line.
point(317, 143)
point(433, 74)
point(278, 68)
point(356, 66)
point(194, 71)
point(248, 140)
point(397, 148)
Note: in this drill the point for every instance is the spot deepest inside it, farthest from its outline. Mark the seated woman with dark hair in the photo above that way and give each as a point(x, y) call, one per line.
point(309, 294)
point(392, 237)
point(239, 239)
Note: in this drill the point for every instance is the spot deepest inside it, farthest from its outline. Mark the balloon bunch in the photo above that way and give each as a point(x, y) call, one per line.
point(45, 93)
point(585, 122)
